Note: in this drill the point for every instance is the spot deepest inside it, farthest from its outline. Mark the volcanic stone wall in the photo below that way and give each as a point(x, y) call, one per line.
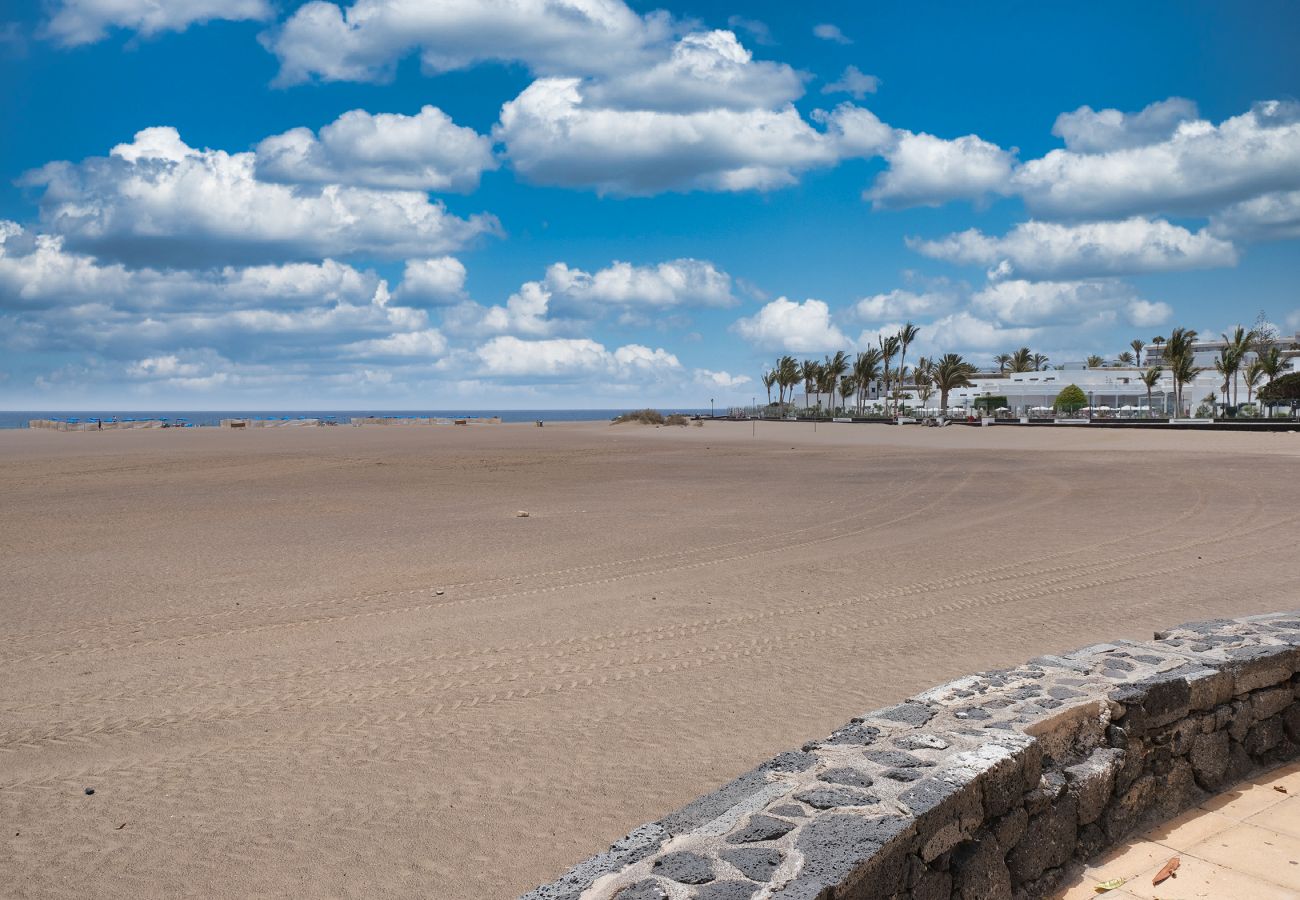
point(992, 786)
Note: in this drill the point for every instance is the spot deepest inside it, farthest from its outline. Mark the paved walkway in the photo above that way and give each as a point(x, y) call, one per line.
point(1243, 843)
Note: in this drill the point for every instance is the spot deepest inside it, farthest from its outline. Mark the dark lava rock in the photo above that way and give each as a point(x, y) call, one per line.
point(830, 798)
point(845, 775)
point(727, 890)
point(909, 712)
point(789, 761)
point(855, 733)
point(756, 863)
point(1048, 842)
point(835, 845)
point(788, 809)
point(760, 828)
point(903, 775)
point(921, 742)
point(979, 871)
point(684, 867)
point(896, 758)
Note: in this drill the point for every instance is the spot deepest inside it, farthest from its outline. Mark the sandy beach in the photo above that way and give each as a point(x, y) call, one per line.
point(335, 663)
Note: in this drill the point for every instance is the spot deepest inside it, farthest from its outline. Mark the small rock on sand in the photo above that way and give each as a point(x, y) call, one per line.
point(523, 514)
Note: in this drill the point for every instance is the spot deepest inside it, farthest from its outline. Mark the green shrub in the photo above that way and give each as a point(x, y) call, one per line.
point(1287, 387)
point(1071, 399)
point(640, 416)
point(677, 419)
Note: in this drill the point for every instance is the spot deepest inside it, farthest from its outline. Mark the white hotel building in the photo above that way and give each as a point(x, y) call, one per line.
point(1112, 387)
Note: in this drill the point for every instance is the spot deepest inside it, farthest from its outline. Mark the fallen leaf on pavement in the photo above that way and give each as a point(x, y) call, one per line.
point(1167, 871)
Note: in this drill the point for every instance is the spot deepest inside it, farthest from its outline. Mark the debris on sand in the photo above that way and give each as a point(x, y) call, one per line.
point(1168, 871)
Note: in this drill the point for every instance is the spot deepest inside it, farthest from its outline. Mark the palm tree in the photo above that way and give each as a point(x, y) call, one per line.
point(1003, 360)
point(1137, 346)
point(1095, 362)
point(1040, 362)
point(1239, 344)
point(1151, 377)
point(888, 350)
point(1022, 360)
point(866, 372)
point(769, 379)
point(1253, 375)
point(906, 335)
point(1180, 357)
point(825, 386)
point(808, 370)
point(833, 367)
point(793, 375)
point(1226, 366)
point(1124, 359)
point(1273, 365)
point(949, 372)
point(847, 388)
point(921, 377)
point(788, 375)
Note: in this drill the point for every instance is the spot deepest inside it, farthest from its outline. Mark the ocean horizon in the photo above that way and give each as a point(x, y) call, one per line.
point(20, 418)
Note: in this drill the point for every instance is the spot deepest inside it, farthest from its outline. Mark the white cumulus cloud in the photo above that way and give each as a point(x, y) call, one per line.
point(158, 201)
point(854, 82)
point(567, 296)
point(1198, 169)
point(424, 152)
point(675, 283)
point(1099, 131)
point(428, 342)
point(364, 41)
point(1039, 303)
point(1274, 216)
point(438, 280)
point(925, 170)
point(568, 357)
point(796, 327)
point(829, 32)
point(902, 304)
point(74, 22)
point(1051, 250)
point(703, 70)
point(1145, 313)
point(721, 380)
point(554, 137)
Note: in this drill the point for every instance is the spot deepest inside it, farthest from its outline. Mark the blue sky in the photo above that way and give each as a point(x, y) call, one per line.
point(549, 203)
